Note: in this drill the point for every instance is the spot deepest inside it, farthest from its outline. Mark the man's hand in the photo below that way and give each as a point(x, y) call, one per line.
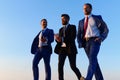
point(43, 39)
point(57, 38)
point(98, 39)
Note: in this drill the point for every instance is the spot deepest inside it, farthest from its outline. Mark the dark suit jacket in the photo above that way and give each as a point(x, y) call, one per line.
point(70, 35)
point(100, 24)
point(50, 36)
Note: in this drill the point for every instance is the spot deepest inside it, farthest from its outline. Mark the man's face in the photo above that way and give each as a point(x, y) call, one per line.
point(64, 20)
point(43, 24)
point(87, 10)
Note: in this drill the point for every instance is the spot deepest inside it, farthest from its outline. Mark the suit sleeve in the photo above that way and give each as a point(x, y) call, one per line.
point(34, 45)
point(103, 29)
point(79, 40)
point(51, 36)
point(70, 35)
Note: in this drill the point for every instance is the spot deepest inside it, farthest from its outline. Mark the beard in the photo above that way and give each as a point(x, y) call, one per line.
point(87, 13)
point(64, 22)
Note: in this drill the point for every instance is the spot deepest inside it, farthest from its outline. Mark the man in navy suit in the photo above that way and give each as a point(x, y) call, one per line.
point(92, 30)
point(41, 48)
point(66, 47)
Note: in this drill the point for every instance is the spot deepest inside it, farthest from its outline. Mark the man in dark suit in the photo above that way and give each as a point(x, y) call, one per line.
point(92, 30)
point(66, 46)
point(41, 48)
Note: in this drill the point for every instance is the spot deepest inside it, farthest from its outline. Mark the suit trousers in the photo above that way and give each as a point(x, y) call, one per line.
point(92, 48)
point(42, 53)
point(72, 60)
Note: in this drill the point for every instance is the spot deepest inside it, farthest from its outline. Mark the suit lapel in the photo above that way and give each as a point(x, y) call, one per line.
point(45, 32)
point(97, 20)
point(82, 24)
point(67, 30)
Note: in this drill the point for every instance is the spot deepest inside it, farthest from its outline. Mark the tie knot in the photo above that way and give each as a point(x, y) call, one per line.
point(86, 19)
point(42, 30)
point(86, 16)
point(65, 26)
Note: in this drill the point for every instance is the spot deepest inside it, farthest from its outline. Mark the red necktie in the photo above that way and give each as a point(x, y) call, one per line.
point(85, 25)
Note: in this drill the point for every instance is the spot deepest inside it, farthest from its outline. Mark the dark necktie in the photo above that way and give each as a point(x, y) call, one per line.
point(85, 25)
point(64, 31)
point(42, 31)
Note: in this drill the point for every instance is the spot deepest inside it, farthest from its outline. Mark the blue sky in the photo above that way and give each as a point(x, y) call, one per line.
point(20, 22)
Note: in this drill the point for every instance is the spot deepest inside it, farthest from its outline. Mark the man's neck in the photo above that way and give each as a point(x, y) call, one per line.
point(44, 28)
point(66, 25)
point(88, 15)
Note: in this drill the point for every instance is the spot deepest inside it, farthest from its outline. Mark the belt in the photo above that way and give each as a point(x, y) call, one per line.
point(43, 47)
point(89, 38)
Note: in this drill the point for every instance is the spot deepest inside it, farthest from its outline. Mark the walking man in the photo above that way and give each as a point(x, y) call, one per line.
point(66, 46)
point(92, 31)
point(41, 48)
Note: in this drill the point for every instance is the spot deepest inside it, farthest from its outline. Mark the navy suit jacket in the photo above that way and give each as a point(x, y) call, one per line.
point(100, 24)
point(50, 36)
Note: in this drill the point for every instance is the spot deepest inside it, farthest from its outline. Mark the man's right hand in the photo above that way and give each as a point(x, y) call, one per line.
point(43, 39)
point(57, 38)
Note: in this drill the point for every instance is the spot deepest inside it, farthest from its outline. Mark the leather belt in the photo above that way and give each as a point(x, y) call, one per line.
point(89, 38)
point(43, 47)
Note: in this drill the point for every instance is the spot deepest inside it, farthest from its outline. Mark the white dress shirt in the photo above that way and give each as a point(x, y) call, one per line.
point(92, 29)
point(40, 36)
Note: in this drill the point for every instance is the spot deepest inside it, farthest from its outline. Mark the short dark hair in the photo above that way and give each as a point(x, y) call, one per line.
point(88, 5)
point(66, 15)
point(43, 20)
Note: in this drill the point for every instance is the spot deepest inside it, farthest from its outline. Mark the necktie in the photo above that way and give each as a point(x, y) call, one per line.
point(64, 31)
point(41, 34)
point(85, 25)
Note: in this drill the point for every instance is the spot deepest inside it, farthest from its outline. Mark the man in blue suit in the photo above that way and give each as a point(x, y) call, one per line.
point(41, 48)
point(92, 30)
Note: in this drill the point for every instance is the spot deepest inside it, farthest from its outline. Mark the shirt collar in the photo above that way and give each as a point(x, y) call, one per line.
point(44, 29)
point(66, 25)
point(88, 15)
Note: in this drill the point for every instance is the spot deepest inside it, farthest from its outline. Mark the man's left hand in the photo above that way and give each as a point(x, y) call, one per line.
point(98, 39)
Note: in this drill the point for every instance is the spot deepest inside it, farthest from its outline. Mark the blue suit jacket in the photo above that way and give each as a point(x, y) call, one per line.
point(100, 24)
point(50, 36)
